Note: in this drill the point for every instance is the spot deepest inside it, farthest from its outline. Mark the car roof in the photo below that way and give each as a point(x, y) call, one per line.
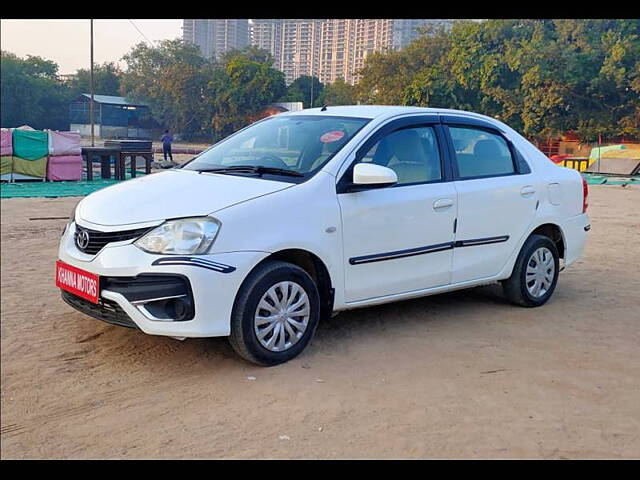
point(380, 111)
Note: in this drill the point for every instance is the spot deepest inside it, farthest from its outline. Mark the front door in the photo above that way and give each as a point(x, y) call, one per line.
point(400, 239)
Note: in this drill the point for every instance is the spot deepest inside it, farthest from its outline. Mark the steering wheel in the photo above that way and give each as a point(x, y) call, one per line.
point(271, 160)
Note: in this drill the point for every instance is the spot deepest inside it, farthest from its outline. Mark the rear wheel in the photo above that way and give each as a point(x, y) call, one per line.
point(535, 273)
point(275, 313)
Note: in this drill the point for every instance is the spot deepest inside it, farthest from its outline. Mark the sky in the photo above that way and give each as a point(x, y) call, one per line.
point(66, 42)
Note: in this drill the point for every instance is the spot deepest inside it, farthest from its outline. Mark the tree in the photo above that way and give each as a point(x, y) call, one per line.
point(172, 79)
point(338, 93)
point(543, 77)
point(251, 52)
point(300, 91)
point(240, 89)
point(31, 93)
point(106, 80)
point(199, 97)
point(384, 77)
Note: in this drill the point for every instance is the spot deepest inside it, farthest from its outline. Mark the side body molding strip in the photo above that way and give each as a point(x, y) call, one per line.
point(378, 257)
point(481, 241)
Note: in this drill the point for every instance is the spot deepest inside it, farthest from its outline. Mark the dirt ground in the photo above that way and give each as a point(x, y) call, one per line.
point(457, 375)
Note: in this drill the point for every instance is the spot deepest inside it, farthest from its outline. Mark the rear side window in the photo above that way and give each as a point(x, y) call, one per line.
point(480, 153)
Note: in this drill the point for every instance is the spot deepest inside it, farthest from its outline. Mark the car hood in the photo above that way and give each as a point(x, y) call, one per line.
point(171, 194)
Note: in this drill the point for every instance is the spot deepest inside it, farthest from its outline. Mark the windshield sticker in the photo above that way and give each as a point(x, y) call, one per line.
point(332, 136)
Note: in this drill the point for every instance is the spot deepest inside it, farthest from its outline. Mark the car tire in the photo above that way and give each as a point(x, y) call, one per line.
point(535, 273)
point(266, 286)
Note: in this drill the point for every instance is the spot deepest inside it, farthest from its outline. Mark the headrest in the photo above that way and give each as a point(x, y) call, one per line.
point(487, 148)
point(405, 145)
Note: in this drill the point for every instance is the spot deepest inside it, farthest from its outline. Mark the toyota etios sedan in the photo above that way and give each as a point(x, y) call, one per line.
point(308, 213)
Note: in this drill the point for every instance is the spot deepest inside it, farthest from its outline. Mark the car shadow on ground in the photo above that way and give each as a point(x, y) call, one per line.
point(414, 308)
point(445, 307)
point(358, 325)
point(333, 332)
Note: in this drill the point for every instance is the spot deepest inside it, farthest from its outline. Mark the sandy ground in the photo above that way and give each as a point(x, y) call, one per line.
point(454, 375)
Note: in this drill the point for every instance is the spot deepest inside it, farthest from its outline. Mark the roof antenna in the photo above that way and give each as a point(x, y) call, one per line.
point(324, 108)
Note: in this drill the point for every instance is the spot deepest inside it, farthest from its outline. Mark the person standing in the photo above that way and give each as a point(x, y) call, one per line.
point(167, 139)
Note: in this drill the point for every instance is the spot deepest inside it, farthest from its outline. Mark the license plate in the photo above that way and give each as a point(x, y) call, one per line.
point(79, 282)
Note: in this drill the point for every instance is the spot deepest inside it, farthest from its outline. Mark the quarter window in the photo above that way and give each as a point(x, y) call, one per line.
point(411, 152)
point(480, 153)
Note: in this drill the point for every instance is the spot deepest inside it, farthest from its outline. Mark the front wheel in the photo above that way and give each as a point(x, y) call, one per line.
point(535, 273)
point(275, 313)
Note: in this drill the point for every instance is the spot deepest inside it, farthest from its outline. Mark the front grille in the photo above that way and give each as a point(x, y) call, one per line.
point(97, 240)
point(107, 310)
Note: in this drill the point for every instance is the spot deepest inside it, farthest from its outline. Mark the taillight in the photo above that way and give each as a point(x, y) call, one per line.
point(585, 195)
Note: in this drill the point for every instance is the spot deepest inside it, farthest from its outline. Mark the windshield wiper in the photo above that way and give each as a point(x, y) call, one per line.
point(257, 169)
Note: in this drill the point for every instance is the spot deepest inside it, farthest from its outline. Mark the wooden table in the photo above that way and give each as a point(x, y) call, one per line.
point(119, 171)
point(148, 158)
point(105, 154)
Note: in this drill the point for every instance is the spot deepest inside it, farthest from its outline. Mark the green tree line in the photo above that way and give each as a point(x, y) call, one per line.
point(33, 94)
point(194, 96)
point(542, 77)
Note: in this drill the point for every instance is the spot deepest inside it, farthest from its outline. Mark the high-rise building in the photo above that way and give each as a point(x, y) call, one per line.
point(267, 34)
point(293, 43)
point(332, 48)
point(346, 43)
point(216, 36)
point(300, 48)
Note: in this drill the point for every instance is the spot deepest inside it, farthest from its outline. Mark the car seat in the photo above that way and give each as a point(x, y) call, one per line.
point(404, 152)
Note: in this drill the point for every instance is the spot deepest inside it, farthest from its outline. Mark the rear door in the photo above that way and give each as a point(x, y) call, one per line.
point(497, 198)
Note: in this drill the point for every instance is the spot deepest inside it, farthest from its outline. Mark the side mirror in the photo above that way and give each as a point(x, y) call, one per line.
point(373, 176)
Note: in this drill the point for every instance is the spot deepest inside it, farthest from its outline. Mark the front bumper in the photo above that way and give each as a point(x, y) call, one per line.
point(213, 282)
point(106, 310)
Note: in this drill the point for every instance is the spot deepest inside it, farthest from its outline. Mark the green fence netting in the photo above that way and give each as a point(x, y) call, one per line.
point(611, 180)
point(54, 189)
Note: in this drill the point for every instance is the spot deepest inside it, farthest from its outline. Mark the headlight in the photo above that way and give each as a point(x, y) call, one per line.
point(186, 236)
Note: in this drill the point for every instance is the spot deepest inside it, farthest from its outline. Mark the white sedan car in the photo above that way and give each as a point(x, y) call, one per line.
point(309, 213)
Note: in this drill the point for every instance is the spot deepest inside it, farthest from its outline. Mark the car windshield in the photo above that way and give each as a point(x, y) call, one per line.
point(301, 144)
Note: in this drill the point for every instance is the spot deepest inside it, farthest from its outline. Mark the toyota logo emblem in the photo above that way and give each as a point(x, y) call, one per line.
point(82, 239)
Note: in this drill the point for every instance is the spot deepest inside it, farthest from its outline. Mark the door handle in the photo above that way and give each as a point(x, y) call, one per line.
point(442, 204)
point(527, 191)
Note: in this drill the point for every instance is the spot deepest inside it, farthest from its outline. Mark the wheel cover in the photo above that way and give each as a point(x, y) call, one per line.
point(282, 316)
point(541, 269)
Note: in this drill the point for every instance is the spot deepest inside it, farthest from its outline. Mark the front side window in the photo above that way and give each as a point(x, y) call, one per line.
point(411, 152)
point(480, 153)
point(297, 143)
